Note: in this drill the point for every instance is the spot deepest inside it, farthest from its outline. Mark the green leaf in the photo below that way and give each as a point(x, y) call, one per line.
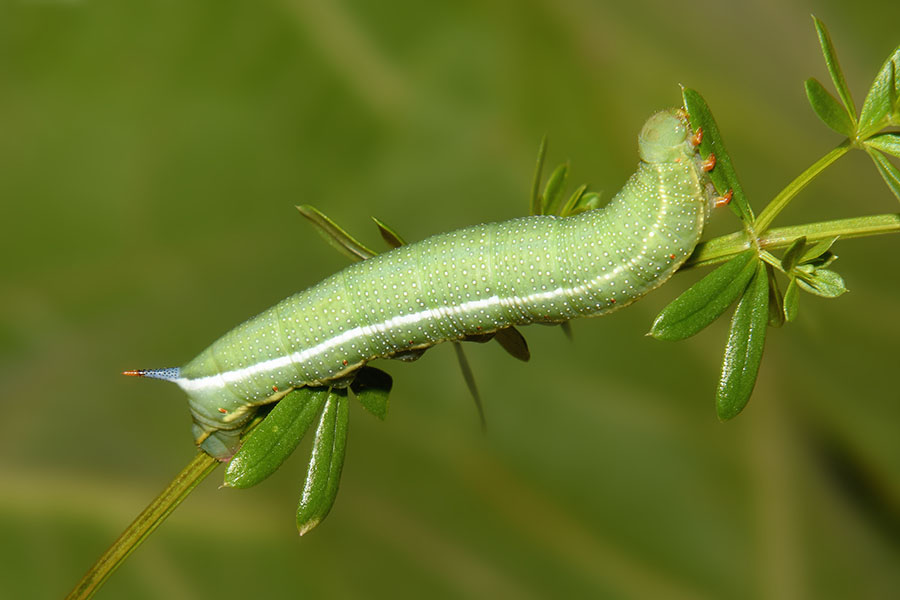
point(776, 300)
point(334, 235)
point(791, 300)
point(723, 175)
point(390, 237)
point(514, 343)
point(536, 183)
point(744, 350)
point(882, 97)
point(820, 262)
point(570, 204)
point(886, 142)
point(822, 282)
point(373, 388)
point(323, 474)
point(273, 440)
point(834, 68)
point(470, 382)
point(828, 108)
point(554, 189)
point(817, 249)
point(792, 255)
point(587, 202)
point(702, 303)
point(566, 329)
point(888, 171)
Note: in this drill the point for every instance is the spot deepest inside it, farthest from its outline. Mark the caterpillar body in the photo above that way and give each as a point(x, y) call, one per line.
point(477, 280)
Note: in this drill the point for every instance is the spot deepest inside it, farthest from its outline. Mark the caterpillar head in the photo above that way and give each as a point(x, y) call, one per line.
point(665, 137)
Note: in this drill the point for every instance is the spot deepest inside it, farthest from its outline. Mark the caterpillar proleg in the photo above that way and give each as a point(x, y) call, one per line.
point(476, 280)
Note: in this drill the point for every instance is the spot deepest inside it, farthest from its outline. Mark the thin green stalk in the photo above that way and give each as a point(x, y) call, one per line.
point(722, 248)
point(793, 188)
point(201, 466)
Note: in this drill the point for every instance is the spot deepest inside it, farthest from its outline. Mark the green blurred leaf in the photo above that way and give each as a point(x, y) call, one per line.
point(822, 282)
point(776, 300)
point(817, 249)
point(514, 343)
point(273, 440)
point(390, 237)
point(535, 208)
point(470, 382)
point(702, 303)
point(587, 202)
point(566, 329)
point(554, 189)
point(791, 300)
point(373, 389)
point(323, 475)
point(792, 255)
point(828, 108)
point(882, 97)
point(886, 142)
point(744, 349)
point(570, 204)
point(335, 235)
point(723, 175)
point(834, 68)
point(888, 171)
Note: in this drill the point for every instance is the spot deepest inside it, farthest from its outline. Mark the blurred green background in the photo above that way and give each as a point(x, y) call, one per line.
point(151, 154)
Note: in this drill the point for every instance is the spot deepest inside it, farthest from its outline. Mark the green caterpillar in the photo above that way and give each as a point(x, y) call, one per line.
point(474, 281)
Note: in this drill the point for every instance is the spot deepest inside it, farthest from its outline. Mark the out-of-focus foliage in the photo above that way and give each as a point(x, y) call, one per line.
point(151, 155)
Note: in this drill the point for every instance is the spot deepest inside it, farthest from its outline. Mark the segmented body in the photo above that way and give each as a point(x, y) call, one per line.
point(453, 285)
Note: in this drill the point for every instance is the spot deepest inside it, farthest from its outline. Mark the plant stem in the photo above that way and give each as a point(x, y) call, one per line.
point(784, 197)
point(722, 248)
point(201, 466)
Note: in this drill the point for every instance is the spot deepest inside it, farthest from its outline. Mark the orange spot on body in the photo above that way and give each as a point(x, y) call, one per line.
point(344, 362)
point(672, 256)
point(223, 411)
point(612, 301)
point(274, 388)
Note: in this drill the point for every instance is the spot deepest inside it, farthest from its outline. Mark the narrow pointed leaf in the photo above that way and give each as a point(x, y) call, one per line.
point(823, 282)
point(791, 300)
point(390, 237)
point(554, 189)
point(792, 255)
point(723, 175)
point(373, 388)
point(569, 206)
point(886, 142)
point(514, 343)
point(323, 475)
point(889, 172)
point(776, 300)
point(334, 235)
point(828, 108)
point(567, 329)
point(744, 350)
point(587, 202)
point(879, 102)
point(817, 249)
point(702, 303)
point(834, 68)
point(273, 440)
point(470, 382)
point(535, 208)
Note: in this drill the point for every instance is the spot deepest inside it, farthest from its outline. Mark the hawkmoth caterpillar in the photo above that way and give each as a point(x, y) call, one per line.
point(469, 282)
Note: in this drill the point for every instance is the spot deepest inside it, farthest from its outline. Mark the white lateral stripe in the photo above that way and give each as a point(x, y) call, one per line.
point(221, 379)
